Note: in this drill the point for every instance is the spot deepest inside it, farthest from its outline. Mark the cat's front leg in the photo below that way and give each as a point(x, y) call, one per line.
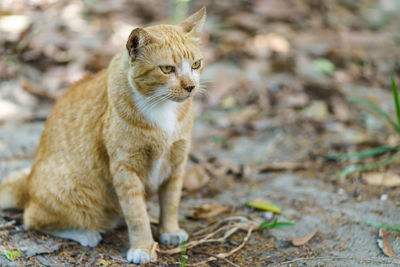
point(170, 194)
point(130, 191)
point(169, 197)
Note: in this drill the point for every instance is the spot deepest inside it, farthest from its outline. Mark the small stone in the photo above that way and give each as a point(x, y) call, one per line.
point(341, 191)
point(384, 197)
point(268, 215)
point(317, 111)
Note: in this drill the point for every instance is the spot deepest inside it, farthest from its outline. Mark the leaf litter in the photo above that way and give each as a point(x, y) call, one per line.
point(208, 211)
point(299, 241)
point(381, 179)
point(383, 243)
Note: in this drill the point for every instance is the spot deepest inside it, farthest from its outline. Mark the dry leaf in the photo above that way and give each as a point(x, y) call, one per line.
point(285, 166)
point(196, 177)
point(228, 102)
point(7, 225)
point(208, 211)
point(224, 167)
point(264, 205)
point(383, 179)
point(383, 243)
point(244, 116)
point(299, 241)
point(317, 111)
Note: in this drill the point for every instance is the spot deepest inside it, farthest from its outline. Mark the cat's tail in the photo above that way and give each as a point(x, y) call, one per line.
point(13, 190)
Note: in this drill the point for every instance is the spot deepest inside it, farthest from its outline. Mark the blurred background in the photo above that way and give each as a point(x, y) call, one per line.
point(279, 74)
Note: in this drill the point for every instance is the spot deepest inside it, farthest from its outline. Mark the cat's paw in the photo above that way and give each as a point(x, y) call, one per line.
point(92, 240)
point(138, 256)
point(174, 238)
point(86, 238)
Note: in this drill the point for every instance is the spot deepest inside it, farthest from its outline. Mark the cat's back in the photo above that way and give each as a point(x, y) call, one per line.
point(75, 121)
point(87, 94)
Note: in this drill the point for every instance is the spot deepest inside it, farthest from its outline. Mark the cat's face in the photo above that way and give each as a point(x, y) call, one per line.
point(166, 61)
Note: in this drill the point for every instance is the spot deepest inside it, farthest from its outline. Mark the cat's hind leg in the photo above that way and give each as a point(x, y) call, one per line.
point(44, 220)
point(86, 238)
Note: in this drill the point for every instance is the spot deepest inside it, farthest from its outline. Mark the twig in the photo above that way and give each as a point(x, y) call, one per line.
point(207, 229)
point(284, 166)
point(238, 247)
point(7, 225)
point(36, 90)
point(332, 258)
point(230, 229)
point(226, 254)
point(214, 256)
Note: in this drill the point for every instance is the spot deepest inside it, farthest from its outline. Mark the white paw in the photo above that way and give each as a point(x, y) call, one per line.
point(174, 238)
point(92, 239)
point(86, 238)
point(137, 256)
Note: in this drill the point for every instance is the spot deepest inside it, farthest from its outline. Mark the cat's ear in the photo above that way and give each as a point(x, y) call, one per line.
point(137, 39)
point(194, 24)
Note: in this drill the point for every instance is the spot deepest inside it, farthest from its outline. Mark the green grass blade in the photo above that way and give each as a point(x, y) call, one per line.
point(383, 225)
point(362, 154)
point(275, 224)
point(396, 99)
point(12, 255)
point(377, 109)
point(362, 167)
point(183, 255)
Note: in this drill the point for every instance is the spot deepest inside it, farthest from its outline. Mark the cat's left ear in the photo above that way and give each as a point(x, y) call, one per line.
point(194, 24)
point(136, 41)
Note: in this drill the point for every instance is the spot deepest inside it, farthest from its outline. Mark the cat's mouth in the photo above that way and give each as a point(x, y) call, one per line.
point(180, 98)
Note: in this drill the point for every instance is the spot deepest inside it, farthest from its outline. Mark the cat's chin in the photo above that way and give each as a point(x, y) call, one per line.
point(180, 99)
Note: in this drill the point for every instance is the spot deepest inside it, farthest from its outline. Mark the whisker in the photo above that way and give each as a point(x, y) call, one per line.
point(205, 82)
point(202, 89)
point(160, 98)
point(148, 101)
point(203, 92)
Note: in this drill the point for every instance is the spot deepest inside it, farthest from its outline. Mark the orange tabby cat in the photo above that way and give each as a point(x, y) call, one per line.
point(113, 137)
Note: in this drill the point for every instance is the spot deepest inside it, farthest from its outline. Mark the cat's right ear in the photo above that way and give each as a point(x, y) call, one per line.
point(137, 39)
point(194, 24)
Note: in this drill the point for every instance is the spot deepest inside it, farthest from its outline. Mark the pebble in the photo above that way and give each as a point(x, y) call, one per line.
point(341, 191)
point(268, 215)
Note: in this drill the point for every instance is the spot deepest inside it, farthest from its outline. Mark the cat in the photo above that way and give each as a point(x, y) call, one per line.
point(114, 137)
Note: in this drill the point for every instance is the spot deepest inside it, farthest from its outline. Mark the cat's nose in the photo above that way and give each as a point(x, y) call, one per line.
point(189, 88)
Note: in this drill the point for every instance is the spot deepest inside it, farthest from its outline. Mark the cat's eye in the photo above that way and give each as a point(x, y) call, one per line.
point(167, 69)
point(196, 64)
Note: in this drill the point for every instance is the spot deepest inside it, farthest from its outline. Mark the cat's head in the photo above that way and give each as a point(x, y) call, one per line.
point(165, 60)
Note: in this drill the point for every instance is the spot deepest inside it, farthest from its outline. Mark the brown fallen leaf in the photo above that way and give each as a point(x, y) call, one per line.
point(222, 167)
point(383, 243)
point(284, 166)
point(195, 178)
point(299, 241)
point(208, 211)
point(7, 225)
point(383, 179)
point(244, 116)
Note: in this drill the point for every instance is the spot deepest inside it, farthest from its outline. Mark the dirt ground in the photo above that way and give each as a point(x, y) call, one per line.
point(279, 74)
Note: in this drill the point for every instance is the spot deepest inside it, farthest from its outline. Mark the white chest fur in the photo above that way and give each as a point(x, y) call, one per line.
point(158, 174)
point(162, 114)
